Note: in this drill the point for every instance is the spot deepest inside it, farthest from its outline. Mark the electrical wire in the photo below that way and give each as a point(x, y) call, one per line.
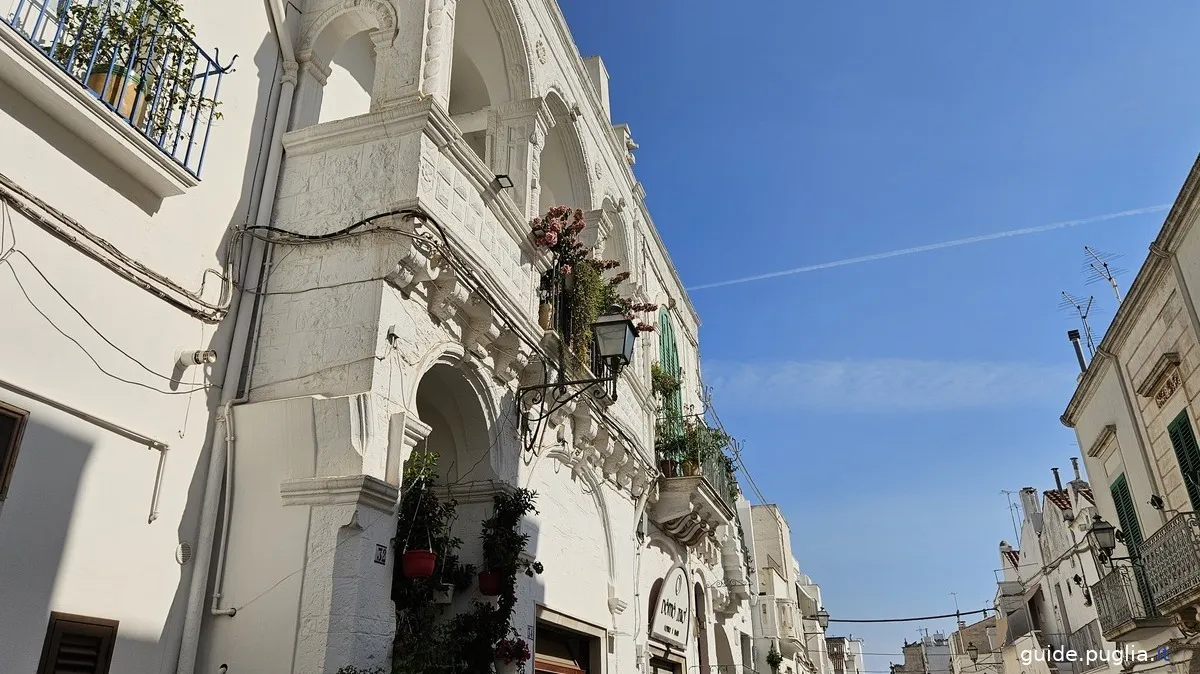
point(918, 619)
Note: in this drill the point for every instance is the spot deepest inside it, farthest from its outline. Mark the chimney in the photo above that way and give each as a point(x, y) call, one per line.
point(1075, 465)
point(1057, 479)
point(1029, 502)
point(1073, 335)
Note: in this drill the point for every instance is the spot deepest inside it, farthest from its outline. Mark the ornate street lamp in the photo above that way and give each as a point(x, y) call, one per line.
point(1103, 536)
point(823, 618)
point(972, 652)
point(613, 338)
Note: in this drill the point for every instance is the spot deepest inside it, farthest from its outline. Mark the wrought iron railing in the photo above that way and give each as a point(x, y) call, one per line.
point(1172, 559)
point(721, 669)
point(1121, 598)
point(554, 294)
point(132, 57)
point(1086, 639)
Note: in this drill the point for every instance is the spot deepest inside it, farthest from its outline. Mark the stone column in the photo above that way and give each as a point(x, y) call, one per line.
point(346, 608)
point(398, 59)
point(405, 432)
point(517, 132)
point(439, 50)
point(310, 91)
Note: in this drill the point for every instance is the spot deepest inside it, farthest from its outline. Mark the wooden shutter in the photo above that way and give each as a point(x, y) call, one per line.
point(1127, 513)
point(12, 427)
point(1187, 453)
point(78, 645)
point(668, 360)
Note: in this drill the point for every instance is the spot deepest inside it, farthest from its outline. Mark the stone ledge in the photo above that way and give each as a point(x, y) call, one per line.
point(1158, 373)
point(349, 490)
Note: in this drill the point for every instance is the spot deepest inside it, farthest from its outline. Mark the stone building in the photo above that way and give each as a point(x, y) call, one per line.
point(369, 190)
point(1133, 413)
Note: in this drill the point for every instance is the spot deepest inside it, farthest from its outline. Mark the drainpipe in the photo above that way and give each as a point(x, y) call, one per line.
point(235, 373)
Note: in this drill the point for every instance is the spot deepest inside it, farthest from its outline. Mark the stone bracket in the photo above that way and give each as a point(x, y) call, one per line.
point(351, 490)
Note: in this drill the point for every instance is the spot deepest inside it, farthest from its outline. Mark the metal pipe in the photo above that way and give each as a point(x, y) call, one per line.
point(218, 457)
point(146, 440)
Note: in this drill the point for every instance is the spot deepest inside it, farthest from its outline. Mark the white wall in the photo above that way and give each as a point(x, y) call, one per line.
point(80, 496)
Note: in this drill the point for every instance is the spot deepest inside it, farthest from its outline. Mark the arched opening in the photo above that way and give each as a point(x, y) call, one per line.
point(563, 174)
point(459, 434)
point(701, 629)
point(478, 74)
point(347, 91)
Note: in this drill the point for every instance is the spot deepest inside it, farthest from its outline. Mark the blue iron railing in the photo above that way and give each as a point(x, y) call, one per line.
point(137, 57)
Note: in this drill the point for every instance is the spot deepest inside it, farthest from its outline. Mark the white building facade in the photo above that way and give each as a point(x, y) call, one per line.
point(1045, 598)
point(1133, 414)
point(376, 168)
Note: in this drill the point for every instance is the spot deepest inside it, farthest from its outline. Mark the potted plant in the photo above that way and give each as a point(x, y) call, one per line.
point(141, 59)
point(504, 543)
point(420, 509)
point(663, 383)
point(511, 653)
point(774, 658)
point(688, 443)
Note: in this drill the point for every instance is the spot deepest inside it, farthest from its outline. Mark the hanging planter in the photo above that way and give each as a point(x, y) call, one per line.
point(489, 583)
point(419, 563)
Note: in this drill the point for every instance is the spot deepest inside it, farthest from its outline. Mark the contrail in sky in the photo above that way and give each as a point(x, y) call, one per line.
point(936, 246)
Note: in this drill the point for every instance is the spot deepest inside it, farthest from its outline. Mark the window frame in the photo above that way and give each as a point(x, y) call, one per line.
point(8, 460)
point(106, 651)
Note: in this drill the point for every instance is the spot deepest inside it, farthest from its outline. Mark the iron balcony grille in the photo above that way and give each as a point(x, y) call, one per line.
point(1121, 598)
point(555, 290)
point(132, 57)
point(1172, 559)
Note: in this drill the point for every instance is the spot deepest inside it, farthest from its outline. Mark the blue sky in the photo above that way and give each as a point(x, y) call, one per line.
point(885, 405)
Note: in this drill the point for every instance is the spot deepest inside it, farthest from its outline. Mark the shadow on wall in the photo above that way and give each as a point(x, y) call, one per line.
point(34, 522)
point(266, 60)
point(83, 155)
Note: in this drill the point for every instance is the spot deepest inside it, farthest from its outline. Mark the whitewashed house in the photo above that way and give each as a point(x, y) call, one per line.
point(789, 617)
point(1133, 413)
point(121, 203)
point(1046, 601)
point(369, 190)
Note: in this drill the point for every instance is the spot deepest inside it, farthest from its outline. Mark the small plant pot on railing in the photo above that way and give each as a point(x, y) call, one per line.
point(690, 468)
point(419, 563)
point(546, 316)
point(122, 90)
point(489, 583)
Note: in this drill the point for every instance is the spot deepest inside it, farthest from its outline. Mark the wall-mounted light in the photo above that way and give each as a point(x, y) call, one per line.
point(502, 182)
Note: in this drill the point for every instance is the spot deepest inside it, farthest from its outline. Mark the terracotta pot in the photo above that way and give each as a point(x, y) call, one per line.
point(668, 468)
point(546, 316)
point(122, 91)
point(489, 583)
point(419, 563)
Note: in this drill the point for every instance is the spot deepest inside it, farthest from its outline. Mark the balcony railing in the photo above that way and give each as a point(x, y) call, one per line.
point(1172, 560)
point(554, 294)
point(1121, 599)
point(721, 669)
point(712, 470)
point(132, 57)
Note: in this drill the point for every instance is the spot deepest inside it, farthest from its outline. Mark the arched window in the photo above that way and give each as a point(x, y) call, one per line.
point(668, 360)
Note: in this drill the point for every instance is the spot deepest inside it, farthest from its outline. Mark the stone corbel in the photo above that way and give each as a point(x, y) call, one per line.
point(638, 483)
point(627, 472)
point(602, 447)
point(448, 294)
point(412, 269)
point(506, 352)
point(617, 461)
point(565, 409)
point(479, 329)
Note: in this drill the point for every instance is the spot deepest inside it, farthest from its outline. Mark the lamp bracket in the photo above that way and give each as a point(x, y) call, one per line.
point(536, 394)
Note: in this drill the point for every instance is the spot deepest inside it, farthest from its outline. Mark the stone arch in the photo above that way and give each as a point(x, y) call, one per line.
point(336, 52)
point(490, 66)
point(452, 398)
point(563, 176)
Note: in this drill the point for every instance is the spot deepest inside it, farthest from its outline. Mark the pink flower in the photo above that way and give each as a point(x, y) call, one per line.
point(565, 269)
point(551, 238)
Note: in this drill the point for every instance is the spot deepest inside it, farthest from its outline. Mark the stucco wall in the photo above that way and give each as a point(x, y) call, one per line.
point(76, 515)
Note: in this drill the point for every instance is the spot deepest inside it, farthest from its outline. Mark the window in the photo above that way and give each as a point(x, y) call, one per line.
point(1127, 517)
point(12, 425)
point(78, 644)
point(1187, 452)
point(668, 360)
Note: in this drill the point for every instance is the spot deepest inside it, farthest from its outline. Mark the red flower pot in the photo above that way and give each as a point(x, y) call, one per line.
point(489, 583)
point(419, 563)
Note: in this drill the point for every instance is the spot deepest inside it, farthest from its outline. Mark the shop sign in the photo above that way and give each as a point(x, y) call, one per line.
point(673, 612)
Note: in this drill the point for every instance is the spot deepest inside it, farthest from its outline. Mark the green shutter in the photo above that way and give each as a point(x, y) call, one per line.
point(668, 360)
point(1187, 453)
point(1127, 514)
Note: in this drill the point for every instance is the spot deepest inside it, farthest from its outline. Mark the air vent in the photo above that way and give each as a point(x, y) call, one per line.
point(183, 553)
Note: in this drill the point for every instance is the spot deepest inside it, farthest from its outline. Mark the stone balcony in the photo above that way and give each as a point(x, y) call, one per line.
point(692, 505)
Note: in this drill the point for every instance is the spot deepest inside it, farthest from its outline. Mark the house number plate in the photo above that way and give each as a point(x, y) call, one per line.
point(380, 554)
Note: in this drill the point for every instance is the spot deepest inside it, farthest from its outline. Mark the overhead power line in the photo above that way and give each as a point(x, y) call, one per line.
point(908, 620)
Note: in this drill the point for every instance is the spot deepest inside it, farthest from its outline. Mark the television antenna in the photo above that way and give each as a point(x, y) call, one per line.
point(1082, 308)
point(1012, 508)
point(1097, 267)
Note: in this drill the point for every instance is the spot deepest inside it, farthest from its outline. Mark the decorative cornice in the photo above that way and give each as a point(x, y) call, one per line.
point(1175, 227)
point(1158, 373)
point(350, 490)
point(1107, 433)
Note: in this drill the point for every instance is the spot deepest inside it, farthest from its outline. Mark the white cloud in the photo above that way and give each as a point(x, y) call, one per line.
point(888, 385)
